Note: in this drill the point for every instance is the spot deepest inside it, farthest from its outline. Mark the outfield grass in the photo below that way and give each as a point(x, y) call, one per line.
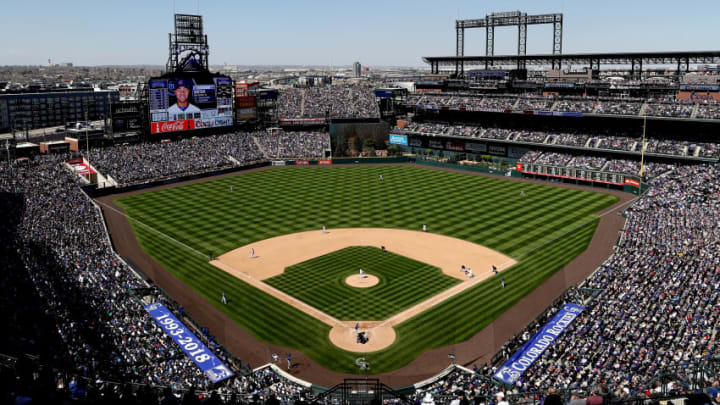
point(320, 282)
point(543, 230)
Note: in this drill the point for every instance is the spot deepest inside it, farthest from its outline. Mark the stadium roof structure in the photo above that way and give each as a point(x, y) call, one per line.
point(635, 60)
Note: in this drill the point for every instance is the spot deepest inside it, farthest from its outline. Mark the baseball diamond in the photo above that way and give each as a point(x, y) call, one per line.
point(181, 227)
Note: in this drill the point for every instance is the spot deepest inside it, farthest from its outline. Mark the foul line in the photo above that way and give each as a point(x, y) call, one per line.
point(149, 227)
point(272, 290)
point(275, 292)
point(610, 211)
point(424, 305)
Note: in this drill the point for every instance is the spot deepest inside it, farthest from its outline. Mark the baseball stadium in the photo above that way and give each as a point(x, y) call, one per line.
point(488, 235)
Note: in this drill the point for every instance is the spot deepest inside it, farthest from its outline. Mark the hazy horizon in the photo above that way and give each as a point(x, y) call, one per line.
point(337, 33)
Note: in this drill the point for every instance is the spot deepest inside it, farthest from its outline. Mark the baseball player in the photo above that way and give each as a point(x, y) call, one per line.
point(522, 192)
point(494, 269)
point(324, 230)
point(502, 281)
point(182, 109)
point(424, 228)
point(362, 272)
point(223, 299)
point(252, 253)
point(381, 177)
point(231, 189)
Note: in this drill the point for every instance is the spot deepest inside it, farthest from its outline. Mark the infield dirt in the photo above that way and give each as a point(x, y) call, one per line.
point(271, 257)
point(476, 350)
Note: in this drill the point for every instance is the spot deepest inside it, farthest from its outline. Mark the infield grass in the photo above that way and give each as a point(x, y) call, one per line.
point(320, 282)
point(543, 230)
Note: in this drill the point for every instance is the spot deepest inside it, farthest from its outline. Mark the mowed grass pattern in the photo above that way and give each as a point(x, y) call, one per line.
point(320, 282)
point(543, 230)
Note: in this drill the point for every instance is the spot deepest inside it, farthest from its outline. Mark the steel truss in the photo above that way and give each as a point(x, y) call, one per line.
point(512, 18)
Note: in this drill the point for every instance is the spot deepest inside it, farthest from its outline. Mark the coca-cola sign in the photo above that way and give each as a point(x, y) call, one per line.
point(172, 126)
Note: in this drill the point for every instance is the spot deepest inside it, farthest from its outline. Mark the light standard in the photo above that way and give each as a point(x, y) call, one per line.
point(87, 145)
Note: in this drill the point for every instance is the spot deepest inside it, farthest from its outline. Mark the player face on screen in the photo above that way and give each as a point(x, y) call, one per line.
point(182, 93)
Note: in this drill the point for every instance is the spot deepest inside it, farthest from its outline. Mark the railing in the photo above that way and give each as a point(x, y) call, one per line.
point(360, 391)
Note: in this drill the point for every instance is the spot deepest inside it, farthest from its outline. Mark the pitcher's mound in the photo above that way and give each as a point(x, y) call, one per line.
point(376, 338)
point(362, 280)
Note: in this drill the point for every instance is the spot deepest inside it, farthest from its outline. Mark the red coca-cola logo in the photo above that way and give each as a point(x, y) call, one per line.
point(172, 126)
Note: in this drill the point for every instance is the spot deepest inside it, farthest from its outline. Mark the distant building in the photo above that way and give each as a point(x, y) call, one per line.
point(357, 68)
point(53, 108)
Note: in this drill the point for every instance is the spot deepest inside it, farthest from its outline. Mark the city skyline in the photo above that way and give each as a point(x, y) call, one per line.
point(324, 33)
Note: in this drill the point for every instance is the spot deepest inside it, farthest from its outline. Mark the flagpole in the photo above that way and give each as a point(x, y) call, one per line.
point(642, 154)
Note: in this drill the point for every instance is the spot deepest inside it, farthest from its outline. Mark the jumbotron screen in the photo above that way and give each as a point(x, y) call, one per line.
point(186, 103)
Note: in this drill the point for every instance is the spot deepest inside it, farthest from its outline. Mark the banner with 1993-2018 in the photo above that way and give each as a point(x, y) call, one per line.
point(519, 362)
point(189, 343)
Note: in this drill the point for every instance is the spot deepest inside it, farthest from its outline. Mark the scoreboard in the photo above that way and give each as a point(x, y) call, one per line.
point(574, 173)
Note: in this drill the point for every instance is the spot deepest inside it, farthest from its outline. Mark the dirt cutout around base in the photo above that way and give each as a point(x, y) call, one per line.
point(378, 337)
point(362, 280)
point(270, 257)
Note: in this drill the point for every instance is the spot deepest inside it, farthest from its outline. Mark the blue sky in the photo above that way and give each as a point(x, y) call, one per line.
point(323, 32)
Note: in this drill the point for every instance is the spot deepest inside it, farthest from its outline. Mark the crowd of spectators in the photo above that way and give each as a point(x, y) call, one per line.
point(290, 103)
point(128, 164)
point(68, 302)
point(576, 104)
point(72, 303)
point(659, 294)
point(658, 107)
point(619, 107)
point(284, 145)
point(708, 110)
point(602, 140)
point(335, 101)
point(670, 108)
point(651, 169)
point(535, 103)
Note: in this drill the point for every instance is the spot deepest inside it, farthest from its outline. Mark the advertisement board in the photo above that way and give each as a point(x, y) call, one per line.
point(497, 150)
point(697, 96)
point(302, 162)
point(415, 142)
point(186, 102)
point(215, 369)
point(399, 140)
point(325, 162)
point(475, 147)
point(522, 359)
point(632, 182)
point(456, 146)
point(245, 113)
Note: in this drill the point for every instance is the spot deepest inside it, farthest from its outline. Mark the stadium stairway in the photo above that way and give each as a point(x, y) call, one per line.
point(643, 109)
point(695, 110)
point(554, 106)
point(233, 160)
point(257, 143)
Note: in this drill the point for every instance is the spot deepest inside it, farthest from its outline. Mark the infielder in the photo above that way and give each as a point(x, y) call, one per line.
point(223, 299)
point(252, 253)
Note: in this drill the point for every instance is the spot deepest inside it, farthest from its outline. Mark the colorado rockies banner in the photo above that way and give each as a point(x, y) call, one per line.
point(189, 343)
point(534, 348)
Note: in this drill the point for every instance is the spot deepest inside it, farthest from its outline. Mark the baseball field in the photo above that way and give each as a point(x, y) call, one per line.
point(540, 227)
